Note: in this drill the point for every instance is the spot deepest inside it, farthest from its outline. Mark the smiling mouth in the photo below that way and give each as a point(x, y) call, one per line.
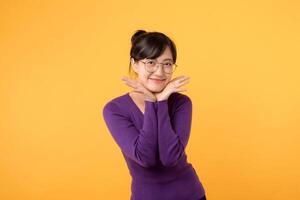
point(157, 80)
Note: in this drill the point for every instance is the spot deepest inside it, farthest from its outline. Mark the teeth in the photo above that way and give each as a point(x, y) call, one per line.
point(157, 79)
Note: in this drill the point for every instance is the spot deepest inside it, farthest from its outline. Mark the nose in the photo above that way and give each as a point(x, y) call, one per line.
point(159, 69)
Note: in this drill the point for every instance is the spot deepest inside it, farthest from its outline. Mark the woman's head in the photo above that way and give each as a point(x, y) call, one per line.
point(150, 51)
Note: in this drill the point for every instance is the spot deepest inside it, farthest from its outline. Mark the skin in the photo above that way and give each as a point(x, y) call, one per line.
point(145, 89)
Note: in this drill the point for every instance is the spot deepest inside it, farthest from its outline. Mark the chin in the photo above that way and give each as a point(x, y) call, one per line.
point(155, 89)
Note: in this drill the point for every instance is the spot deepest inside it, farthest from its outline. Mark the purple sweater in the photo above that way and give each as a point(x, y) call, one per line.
point(153, 145)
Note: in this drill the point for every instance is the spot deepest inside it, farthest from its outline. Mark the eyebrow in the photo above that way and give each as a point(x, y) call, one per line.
point(164, 59)
point(167, 59)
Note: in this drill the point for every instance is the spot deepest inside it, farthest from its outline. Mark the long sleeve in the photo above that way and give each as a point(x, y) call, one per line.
point(172, 140)
point(138, 144)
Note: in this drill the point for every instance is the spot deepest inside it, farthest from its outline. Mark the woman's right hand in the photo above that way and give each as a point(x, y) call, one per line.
point(138, 86)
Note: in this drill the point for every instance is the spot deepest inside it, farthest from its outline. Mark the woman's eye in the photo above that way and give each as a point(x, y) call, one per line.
point(168, 64)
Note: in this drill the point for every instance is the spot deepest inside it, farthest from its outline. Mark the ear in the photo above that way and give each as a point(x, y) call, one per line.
point(134, 65)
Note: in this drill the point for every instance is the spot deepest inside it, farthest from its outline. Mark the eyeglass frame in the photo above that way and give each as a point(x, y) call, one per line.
point(157, 67)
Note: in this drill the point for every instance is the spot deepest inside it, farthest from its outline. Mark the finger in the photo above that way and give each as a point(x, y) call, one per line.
point(175, 79)
point(142, 86)
point(138, 91)
point(180, 83)
point(130, 81)
point(181, 90)
point(124, 78)
point(130, 84)
point(184, 82)
point(179, 77)
point(141, 83)
point(183, 79)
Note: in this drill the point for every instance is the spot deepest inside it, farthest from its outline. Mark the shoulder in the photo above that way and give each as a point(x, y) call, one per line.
point(116, 104)
point(179, 99)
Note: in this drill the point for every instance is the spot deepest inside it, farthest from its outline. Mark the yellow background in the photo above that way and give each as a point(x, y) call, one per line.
point(61, 61)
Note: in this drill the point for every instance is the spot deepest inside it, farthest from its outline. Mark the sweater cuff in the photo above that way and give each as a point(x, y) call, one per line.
point(150, 105)
point(150, 102)
point(162, 105)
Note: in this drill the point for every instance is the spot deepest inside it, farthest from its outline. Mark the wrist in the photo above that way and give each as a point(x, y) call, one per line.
point(162, 98)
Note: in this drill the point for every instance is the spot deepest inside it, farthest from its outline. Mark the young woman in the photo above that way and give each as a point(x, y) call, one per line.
point(151, 124)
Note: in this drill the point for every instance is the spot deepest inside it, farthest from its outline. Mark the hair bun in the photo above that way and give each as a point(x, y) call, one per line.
point(137, 34)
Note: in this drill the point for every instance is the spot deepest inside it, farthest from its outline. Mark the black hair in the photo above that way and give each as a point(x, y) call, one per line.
point(150, 45)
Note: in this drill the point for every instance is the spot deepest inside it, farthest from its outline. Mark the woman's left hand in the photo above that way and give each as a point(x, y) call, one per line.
point(173, 86)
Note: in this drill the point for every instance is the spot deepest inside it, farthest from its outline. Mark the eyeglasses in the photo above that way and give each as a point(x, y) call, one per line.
point(152, 65)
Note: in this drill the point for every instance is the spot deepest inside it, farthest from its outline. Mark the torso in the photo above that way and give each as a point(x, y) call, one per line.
point(138, 101)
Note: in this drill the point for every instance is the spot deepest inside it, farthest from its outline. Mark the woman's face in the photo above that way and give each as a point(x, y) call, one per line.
point(151, 79)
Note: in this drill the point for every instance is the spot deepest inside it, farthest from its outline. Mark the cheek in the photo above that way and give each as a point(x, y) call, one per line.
point(144, 79)
point(167, 81)
point(142, 76)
